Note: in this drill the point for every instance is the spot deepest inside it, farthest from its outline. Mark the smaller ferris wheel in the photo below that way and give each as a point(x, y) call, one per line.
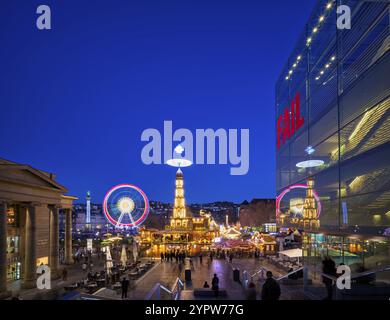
point(126, 206)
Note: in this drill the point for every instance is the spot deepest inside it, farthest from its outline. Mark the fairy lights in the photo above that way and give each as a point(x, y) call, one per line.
point(326, 67)
point(309, 39)
point(294, 66)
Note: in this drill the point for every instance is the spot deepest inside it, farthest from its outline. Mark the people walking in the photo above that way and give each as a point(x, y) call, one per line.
point(251, 293)
point(180, 268)
point(64, 274)
point(215, 284)
point(125, 287)
point(329, 270)
point(209, 263)
point(271, 288)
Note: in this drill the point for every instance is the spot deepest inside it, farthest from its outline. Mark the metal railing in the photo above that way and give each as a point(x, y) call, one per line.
point(174, 292)
point(247, 278)
point(290, 273)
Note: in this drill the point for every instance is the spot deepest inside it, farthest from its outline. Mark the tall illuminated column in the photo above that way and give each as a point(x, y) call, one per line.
point(179, 209)
point(310, 219)
point(88, 215)
point(179, 217)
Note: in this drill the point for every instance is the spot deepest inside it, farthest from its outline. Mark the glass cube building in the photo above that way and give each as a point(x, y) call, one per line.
point(333, 136)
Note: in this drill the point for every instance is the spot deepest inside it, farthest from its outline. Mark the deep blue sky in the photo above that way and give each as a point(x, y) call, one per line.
point(74, 100)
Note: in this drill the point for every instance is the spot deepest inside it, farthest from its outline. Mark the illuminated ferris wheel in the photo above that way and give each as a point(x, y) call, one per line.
point(126, 206)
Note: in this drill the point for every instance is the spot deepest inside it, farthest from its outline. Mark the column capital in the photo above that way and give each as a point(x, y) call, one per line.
point(30, 204)
point(54, 206)
point(6, 202)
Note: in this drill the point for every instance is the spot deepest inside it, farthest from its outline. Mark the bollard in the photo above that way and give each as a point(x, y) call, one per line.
point(187, 275)
point(236, 275)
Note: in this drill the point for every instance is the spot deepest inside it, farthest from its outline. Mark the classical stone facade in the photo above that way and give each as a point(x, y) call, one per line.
point(30, 201)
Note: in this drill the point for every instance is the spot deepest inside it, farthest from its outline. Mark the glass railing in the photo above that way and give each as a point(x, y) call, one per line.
point(364, 285)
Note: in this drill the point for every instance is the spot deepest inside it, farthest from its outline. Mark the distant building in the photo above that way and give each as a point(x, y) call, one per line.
point(257, 212)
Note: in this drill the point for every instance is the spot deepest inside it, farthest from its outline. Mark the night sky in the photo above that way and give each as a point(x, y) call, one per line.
point(74, 100)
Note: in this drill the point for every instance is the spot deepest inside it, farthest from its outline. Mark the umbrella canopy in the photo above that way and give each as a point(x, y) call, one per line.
point(109, 263)
point(124, 255)
point(292, 253)
point(135, 250)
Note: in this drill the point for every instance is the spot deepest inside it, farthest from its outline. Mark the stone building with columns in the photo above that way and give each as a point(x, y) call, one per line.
point(30, 201)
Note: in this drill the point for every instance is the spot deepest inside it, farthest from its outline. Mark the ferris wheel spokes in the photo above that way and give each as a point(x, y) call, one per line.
point(126, 199)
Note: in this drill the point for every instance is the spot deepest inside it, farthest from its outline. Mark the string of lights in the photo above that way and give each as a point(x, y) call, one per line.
point(326, 67)
point(314, 32)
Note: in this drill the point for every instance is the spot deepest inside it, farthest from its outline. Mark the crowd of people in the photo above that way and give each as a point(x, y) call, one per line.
point(270, 289)
point(178, 256)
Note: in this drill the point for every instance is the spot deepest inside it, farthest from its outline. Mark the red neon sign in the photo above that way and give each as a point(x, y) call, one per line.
point(289, 121)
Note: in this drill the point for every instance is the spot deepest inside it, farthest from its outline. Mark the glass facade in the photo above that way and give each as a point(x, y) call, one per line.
point(13, 243)
point(335, 139)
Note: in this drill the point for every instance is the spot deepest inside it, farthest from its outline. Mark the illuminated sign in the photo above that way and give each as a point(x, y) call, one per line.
point(289, 121)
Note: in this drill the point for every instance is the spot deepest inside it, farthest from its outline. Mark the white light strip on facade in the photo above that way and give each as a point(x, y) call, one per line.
point(326, 67)
point(310, 164)
point(309, 39)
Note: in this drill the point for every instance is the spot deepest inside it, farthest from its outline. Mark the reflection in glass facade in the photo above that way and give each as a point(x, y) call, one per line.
point(338, 133)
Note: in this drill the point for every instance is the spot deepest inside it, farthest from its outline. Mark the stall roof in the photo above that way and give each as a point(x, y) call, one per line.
point(292, 253)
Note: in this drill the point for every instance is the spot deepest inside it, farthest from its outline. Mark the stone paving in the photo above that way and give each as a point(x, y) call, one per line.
point(166, 274)
point(75, 273)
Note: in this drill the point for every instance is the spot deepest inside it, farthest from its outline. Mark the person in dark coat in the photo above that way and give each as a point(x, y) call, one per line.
point(251, 293)
point(215, 284)
point(328, 268)
point(271, 288)
point(125, 287)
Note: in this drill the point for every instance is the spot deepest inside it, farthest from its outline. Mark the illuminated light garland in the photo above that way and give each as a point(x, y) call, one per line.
point(290, 72)
point(297, 186)
point(327, 66)
point(315, 30)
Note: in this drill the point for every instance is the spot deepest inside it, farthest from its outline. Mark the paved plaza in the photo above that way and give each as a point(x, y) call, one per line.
point(167, 272)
